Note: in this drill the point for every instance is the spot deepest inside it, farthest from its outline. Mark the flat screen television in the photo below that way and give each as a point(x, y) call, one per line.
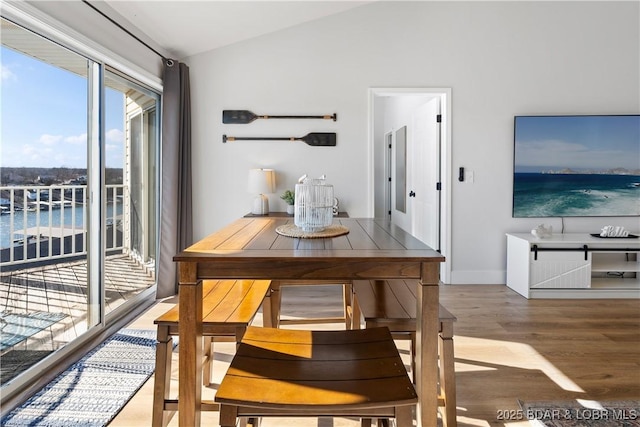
point(576, 166)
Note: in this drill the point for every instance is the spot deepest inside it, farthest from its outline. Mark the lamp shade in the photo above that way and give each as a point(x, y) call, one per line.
point(262, 181)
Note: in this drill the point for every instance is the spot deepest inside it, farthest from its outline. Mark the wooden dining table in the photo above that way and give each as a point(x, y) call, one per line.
point(251, 248)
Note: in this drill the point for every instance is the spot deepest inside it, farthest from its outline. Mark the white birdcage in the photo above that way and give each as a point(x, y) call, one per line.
point(313, 207)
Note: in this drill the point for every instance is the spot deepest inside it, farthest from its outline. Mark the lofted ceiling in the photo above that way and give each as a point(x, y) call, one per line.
point(184, 28)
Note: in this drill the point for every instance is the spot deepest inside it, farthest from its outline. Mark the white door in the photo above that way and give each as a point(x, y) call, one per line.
point(415, 197)
point(425, 174)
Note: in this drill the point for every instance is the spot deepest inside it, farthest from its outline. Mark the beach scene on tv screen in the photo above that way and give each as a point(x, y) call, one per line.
point(576, 166)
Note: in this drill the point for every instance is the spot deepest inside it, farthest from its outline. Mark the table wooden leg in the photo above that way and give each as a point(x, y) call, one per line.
point(427, 346)
point(190, 346)
point(447, 375)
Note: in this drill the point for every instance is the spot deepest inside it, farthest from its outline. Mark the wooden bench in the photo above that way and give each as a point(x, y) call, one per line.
point(276, 302)
point(300, 373)
point(228, 308)
point(392, 303)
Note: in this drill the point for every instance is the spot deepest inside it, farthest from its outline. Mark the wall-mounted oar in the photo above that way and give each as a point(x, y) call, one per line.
point(316, 139)
point(243, 117)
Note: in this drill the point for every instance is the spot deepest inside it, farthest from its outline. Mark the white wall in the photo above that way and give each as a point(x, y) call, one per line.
point(500, 58)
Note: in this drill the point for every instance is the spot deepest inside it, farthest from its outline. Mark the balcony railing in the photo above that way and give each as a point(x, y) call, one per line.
point(49, 223)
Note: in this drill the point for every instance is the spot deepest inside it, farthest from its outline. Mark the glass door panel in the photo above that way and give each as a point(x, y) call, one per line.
point(131, 138)
point(44, 171)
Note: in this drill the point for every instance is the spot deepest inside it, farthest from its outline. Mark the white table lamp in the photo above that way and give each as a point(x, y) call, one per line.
point(261, 182)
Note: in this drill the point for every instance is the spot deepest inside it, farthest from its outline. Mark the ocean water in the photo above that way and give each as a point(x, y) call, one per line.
point(556, 195)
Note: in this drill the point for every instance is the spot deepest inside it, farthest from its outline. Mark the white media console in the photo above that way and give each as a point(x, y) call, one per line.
point(573, 265)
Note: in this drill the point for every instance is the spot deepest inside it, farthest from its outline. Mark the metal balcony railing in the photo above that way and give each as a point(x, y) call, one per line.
point(49, 223)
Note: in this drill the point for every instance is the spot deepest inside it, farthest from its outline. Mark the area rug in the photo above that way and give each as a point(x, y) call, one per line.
point(582, 413)
point(17, 327)
point(93, 390)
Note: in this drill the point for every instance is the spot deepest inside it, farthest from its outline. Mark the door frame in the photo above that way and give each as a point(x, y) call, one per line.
point(376, 156)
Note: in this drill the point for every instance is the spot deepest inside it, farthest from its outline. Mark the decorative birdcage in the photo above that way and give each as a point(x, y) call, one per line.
point(313, 207)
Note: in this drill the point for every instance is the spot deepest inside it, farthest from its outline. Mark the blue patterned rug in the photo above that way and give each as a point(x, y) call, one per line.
point(93, 390)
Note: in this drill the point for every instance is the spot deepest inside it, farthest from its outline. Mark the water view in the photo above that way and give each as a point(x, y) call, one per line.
point(71, 217)
point(557, 195)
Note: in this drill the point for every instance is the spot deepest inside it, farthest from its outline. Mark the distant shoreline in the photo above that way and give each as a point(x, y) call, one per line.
point(569, 171)
point(50, 176)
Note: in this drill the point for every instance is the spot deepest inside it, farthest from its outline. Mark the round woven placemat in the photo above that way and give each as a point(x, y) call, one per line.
point(292, 230)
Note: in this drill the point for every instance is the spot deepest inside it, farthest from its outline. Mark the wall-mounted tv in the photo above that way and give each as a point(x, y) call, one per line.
point(569, 166)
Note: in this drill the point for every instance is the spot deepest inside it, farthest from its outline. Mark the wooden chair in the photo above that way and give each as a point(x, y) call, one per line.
point(392, 303)
point(300, 373)
point(276, 302)
point(227, 309)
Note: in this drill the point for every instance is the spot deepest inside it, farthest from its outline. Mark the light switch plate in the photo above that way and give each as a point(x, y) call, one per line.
point(469, 176)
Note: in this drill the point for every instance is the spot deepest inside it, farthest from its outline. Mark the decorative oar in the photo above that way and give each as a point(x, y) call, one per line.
point(316, 139)
point(243, 117)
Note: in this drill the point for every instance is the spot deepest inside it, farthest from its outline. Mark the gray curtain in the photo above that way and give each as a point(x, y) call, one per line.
point(176, 231)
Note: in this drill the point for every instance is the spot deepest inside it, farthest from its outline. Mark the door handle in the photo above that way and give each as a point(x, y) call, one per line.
point(412, 193)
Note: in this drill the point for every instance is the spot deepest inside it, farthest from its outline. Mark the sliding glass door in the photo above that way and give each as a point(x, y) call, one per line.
point(78, 185)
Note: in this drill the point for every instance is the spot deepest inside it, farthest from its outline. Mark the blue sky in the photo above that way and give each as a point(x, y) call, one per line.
point(578, 142)
point(43, 112)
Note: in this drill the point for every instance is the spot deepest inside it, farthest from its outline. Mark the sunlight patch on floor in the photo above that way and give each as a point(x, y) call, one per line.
point(462, 367)
point(465, 421)
point(591, 404)
point(508, 353)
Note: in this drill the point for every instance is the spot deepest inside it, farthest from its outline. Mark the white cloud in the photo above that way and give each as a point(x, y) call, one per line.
point(115, 135)
point(6, 74)
point(47, 139)
point(29, 150)
point(77, 139)
point(37, 155)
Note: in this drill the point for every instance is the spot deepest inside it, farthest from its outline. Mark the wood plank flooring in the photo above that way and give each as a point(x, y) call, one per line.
point(506, 348)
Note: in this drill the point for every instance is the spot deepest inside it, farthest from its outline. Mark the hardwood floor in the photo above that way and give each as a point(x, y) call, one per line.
point(511, 348)
point(506, 347)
